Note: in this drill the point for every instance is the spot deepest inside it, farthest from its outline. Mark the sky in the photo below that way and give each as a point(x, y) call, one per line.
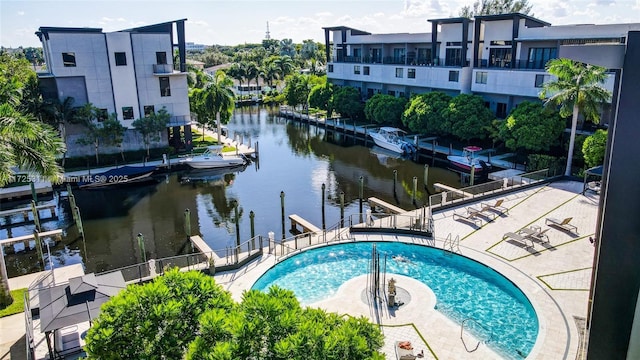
point(232, 22)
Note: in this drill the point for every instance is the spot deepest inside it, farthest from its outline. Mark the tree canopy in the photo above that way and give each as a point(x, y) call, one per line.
point(321, 96)
point(424, 113)
point(496, 7)
point(385, 109)
point(532, 127)
point(467, 117)
point(346, 101)
point(150, 126)
point(187, 315)
point(594, 147)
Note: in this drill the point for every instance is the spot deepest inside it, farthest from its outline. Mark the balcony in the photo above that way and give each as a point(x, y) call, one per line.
point(179, 120)
point(518, 64)
point(166, 69)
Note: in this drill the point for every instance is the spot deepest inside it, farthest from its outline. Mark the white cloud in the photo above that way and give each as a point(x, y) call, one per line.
point(198, 23)
point(379, 14)
point(21, 13)
point(324, 14)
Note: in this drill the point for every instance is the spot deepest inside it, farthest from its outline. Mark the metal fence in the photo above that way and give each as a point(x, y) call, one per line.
point(419, 222)
point(487, 189)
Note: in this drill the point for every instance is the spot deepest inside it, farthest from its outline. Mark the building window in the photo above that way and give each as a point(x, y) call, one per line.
point(481, 77)
point(102, 115)
point(501, 110)
point(538, 57)
point(121, 59)
point(330, 68)
point(165, 87)
point(500, 57)
point(391, 92)
point(69, 59)
point(149, 110)
point(356, 69)
point(401, 94)
point(399, 72)
point(161, 58)
point(453, 76)
point(540, 80)
point(453, 57)
point(411, 73)
point(127, 113)
point(366, 70)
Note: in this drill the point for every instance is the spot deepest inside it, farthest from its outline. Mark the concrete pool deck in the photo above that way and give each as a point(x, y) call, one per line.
point(555, 275)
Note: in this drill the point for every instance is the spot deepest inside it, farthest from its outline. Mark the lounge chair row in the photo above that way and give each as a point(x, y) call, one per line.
point(474, 213)
point(528, 234)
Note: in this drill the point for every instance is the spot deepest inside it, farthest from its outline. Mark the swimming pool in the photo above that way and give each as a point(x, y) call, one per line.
point(463, 287)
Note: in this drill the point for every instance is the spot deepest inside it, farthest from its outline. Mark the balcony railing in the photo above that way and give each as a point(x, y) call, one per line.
point(518, 64)
point(166, 68)
point(407, 61)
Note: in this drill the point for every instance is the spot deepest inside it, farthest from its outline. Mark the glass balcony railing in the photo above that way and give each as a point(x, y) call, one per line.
point(166, 68)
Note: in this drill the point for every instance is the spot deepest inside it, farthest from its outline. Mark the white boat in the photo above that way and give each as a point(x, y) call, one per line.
point(467, 160)
point(213, 157)
point(392, 139)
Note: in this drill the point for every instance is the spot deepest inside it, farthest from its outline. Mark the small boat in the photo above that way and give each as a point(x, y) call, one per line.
point(210, 176)
point(467, 160)
point(213, 158)
point(120, 176)
point(393, 139)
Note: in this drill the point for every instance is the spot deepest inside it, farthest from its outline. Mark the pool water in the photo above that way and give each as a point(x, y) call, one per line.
point(463, 287)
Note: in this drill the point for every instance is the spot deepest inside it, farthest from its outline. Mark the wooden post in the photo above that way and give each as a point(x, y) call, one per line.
point(426, 176)
point(36, 215)
point(187, 223)
point(282, 211)
point(237, 220)
point(415, 189)
point(472, 175)
point(323, 218)
point(253, 231)
point(36, 236)
point(361, 194)
point(341, 208)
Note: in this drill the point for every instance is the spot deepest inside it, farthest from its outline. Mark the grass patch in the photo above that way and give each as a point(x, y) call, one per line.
point(18, 304)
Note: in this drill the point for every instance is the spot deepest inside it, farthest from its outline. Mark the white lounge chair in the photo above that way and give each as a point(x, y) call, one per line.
point(469, 216)
point(562, 224)
point(534, 232)
point(517, 237)
point(497, 206)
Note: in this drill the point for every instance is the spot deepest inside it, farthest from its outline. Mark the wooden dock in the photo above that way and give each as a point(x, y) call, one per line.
point(388, 208)
point(439, 186)
point(199, 243)
point(24, 191)
point(25, 212)
point(307, 227)
point(25, 238)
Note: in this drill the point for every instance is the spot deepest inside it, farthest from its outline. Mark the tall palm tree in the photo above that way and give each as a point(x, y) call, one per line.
point(577, 90)
point(252, 72)
point(269, 73)
point(287, 47)
point(217, 98)
point(29, 145)
point(285, 66)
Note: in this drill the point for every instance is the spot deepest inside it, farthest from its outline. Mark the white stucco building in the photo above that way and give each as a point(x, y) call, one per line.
point(500, 57)
point(131, 73)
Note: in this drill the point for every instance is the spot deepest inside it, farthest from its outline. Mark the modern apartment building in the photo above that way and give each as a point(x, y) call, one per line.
point(500, 57)
point(130, 72)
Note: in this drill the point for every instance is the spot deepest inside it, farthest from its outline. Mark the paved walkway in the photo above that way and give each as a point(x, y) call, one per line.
point(555, 276)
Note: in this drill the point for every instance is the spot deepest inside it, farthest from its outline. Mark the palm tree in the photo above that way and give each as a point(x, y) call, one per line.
point(252, 72)
point(217, 98)
point(61, 114)
point(577, 89)
point(28, 145)
point(287, 47)
point(269, 73)
point(284, 65)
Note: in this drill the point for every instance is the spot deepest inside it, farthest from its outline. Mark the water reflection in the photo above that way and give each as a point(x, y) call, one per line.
point(294, 158)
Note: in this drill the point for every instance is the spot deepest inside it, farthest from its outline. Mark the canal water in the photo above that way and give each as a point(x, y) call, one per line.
point(294, 160)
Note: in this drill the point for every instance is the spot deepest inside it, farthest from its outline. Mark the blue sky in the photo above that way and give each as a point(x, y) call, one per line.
point(244, 21)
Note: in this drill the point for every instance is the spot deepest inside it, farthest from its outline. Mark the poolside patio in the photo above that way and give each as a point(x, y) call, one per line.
point(555, 275)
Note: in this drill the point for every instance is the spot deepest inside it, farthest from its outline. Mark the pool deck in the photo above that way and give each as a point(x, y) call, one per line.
point(555, 276)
